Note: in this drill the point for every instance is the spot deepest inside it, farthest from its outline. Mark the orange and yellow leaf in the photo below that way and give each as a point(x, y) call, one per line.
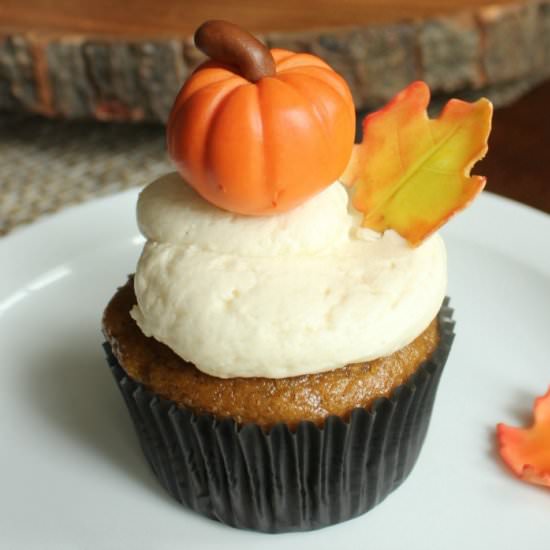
point(527, 450)
point(412, 173)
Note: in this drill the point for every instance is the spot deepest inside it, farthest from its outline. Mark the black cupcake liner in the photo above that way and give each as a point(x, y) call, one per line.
point(287, 480)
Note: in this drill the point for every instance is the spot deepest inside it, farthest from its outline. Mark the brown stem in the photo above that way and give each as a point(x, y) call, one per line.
point(228, 43)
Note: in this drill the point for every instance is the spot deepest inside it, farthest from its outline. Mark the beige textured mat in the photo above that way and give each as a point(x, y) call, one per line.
point(46, 165)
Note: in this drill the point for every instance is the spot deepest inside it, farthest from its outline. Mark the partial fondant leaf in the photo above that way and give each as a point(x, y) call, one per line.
point(527, 450)
point(412, 173)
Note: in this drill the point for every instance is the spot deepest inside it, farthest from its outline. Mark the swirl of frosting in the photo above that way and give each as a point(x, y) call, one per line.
point(297, 293)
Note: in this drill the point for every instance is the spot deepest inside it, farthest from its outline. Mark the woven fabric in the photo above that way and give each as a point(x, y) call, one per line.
point(46, 165)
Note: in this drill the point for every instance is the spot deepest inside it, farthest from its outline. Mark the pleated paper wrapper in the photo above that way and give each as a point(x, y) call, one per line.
point(281, 479)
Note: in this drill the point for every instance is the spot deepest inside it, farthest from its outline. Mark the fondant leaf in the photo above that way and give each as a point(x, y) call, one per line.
point(412, 173)
point(527, 450)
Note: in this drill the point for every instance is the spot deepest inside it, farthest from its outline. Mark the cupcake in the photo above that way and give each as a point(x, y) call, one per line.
point(280, 343)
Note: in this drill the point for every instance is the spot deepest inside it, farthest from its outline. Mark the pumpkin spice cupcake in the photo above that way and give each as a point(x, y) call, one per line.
point(280, 344)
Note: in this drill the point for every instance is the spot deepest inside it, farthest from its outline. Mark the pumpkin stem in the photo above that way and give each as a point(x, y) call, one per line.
point(228, 43)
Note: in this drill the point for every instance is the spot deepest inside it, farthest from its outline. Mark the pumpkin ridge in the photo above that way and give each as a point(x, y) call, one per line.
point(174, 116)
point(181, 104)
point(275, 52)
point(315, 115)
point(208, 133)
point(313, 107)
point(265, 156)
point(299, 60)
point(211, 64)
point(298, 68)
point(319, 118)
point(269, 179)
point(208, 86)
point(332, 75)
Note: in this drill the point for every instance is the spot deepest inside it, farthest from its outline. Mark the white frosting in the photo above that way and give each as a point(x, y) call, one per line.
point(297, 293)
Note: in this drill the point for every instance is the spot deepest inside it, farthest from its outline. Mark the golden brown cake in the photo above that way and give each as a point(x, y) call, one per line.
point(264, 401)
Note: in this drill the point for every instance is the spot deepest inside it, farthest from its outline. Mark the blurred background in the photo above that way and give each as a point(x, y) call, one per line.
point(86, 86)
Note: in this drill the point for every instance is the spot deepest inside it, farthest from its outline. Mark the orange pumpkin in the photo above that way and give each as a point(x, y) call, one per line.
point(262, 147)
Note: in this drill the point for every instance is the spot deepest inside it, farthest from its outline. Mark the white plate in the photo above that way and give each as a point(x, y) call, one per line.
point(72, 474)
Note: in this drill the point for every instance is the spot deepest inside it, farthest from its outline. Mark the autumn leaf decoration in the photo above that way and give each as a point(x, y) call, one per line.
point(527, 450)
point(412, 173)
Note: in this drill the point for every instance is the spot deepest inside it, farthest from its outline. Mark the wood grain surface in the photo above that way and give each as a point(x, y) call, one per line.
point(179, 18)
point(125, 60)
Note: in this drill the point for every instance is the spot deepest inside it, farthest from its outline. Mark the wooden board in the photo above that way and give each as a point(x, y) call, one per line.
point(126, 60)
point(179, 18)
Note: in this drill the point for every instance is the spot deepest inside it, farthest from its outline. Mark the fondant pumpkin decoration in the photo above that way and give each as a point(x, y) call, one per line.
point(258, 131)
